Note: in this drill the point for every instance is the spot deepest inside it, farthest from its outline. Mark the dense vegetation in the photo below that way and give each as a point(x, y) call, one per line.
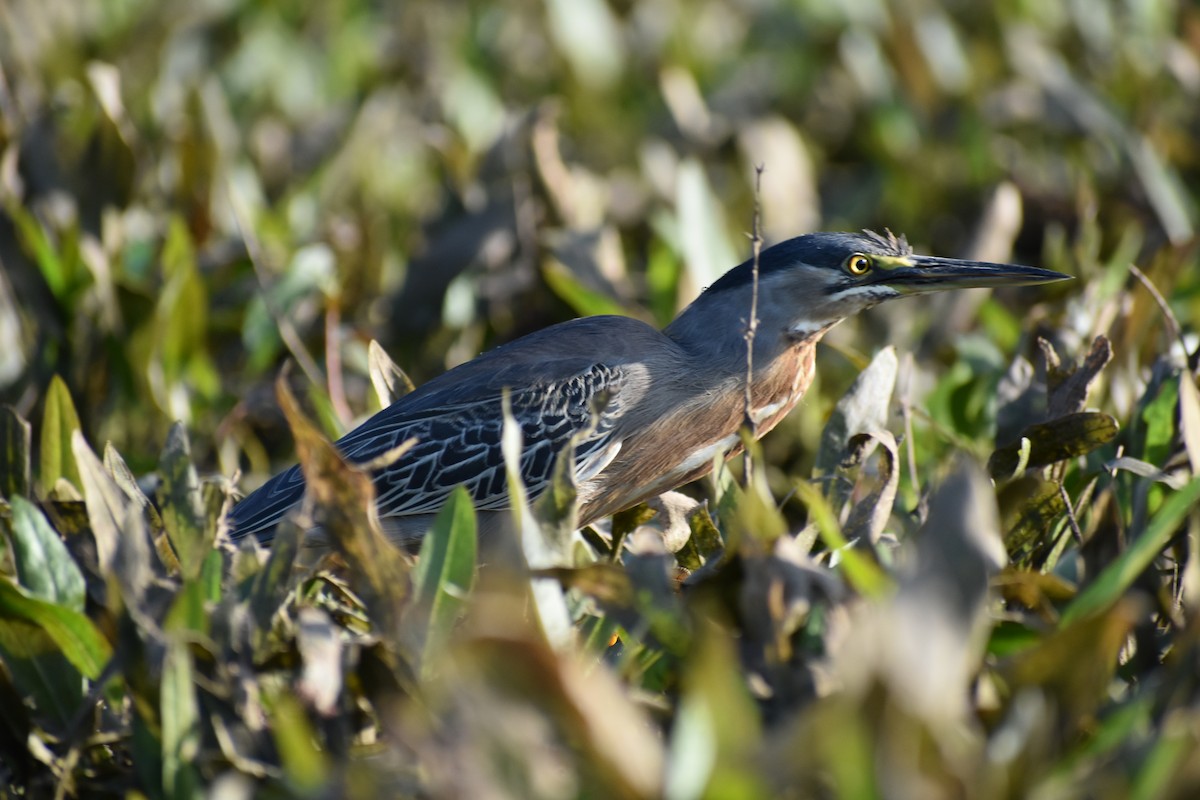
point(966, 566)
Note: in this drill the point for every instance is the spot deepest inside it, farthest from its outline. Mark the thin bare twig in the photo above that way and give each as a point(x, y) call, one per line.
point(333, 364)
point(906, 412)
point(1174, 328)
point(752, 324)
point(1075, 530)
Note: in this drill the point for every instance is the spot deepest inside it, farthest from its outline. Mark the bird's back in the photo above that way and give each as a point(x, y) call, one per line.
point(552, 375)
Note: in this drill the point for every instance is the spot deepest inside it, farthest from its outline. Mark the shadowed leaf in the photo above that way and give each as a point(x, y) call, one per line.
point(1031, 506)
point(1116, 579)
point(1076, 663)
point(272, 583)
point(1054, 441)
point(181, 734)
point(16, 443)
point(863, 409)
point(717, 727)
point(341, 501)
point(1069, 390)
point(48, 683)
point(870, 515)
point(189, 527)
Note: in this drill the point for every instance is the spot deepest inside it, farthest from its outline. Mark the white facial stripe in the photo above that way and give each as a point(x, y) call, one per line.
point(766, 412)
point(876, 291)
point(803, 328)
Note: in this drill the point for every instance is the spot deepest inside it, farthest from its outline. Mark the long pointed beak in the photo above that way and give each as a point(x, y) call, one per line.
point(921, 274)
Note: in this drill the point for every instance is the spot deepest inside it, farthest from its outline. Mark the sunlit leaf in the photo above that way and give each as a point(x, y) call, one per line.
point(539, 553)
point(108, 506)
point(44, 566)
point(1159, 419)
point(71, 632)
point(389, 381)
point(59, 422)
point(584, 301)
point(306, 766)
point(860, 572)
point(862, 410)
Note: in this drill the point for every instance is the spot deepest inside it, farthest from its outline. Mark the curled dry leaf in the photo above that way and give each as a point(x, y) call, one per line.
point(1068, 391)
point(870, 515)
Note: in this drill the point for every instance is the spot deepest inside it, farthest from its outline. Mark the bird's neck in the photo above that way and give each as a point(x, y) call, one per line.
point(713, 331)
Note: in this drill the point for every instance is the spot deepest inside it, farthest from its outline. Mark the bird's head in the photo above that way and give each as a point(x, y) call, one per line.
point(810, 283)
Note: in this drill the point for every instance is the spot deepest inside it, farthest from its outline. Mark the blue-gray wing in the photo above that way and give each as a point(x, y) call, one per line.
point(458, 444)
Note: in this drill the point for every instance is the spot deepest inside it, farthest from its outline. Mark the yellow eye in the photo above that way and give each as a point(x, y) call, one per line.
point(858, 264)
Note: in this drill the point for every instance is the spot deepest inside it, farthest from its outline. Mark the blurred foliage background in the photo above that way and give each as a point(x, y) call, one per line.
point(447, 176)
point(194, 192)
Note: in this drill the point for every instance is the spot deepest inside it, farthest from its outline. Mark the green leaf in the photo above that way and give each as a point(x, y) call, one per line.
point(1115, 579)
point(861, 573)
point(1031, 507)
point(38, 244)
point(717, 729)
point(582, 300)
point(188, 611)
point(445, 572)
point(183, 511)
point(16, 443)
point(44, 565)
point(59, 421)
point(71, 631)
point(306, 766)
point(1159, 416)
point(1009, 637)
point(1167, 764)
point(180, 724)
point(45, 679)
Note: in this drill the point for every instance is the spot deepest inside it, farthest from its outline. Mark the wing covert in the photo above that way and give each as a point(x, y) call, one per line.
point(458, 443)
